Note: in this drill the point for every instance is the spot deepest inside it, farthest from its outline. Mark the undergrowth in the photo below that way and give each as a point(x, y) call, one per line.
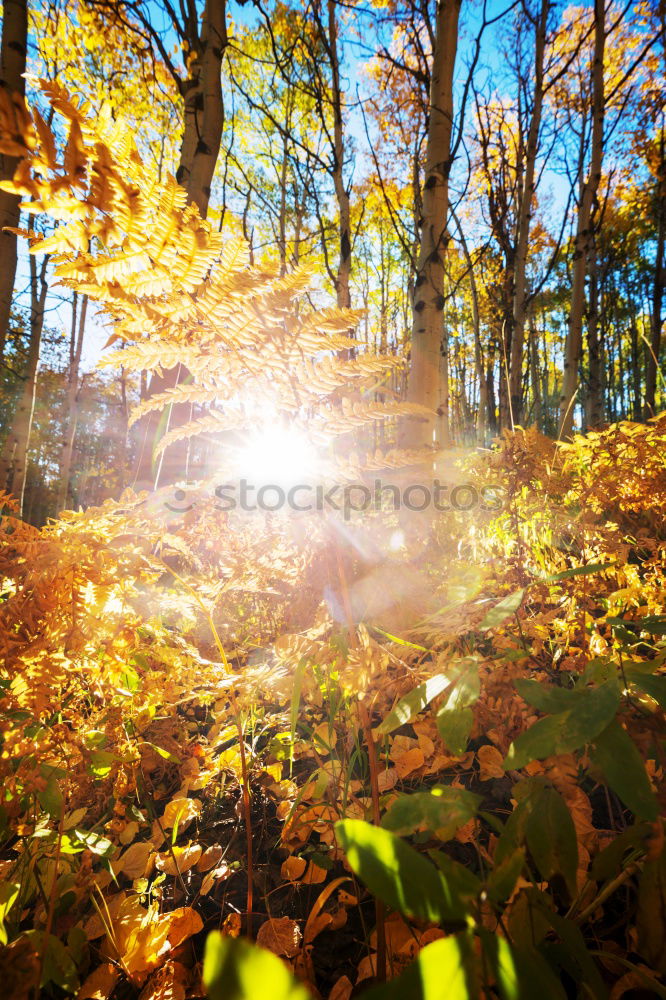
point(458, 791)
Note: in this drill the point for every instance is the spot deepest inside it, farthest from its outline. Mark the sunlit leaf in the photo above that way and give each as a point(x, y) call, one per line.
point(234, 969)
point(397, 874)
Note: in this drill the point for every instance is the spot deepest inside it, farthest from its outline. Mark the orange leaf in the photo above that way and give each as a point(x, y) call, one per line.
point(281, 935)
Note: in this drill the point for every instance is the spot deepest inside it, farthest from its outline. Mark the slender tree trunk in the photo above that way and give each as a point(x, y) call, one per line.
point(652, 361)
point(573, 347)
point(12, 68)
point(594, 410)
point(524, 219)
point(341, 192)
point(635, 371)
point(14, 459)
point(481, 417)
point(427, 324)
point(535, 376)
point(71, 416)
point(200, 148)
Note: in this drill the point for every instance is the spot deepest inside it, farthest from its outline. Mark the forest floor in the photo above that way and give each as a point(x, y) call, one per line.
point(187, 713)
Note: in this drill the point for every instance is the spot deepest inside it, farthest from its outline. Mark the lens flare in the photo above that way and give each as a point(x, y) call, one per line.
point(280, 454)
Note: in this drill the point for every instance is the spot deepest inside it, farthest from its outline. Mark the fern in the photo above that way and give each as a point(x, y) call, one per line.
point(176, 293)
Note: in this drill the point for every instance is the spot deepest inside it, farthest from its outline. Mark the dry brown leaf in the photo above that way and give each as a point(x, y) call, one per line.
point(342, 989)
point(224, 871)
point(490, 763)
point(182, 860)
point(409, 761)
point(168, 983)
point(314, 875)
point(100, 984)
point(210, 857)
point(293, 867)
point(281, 935)
point(135, 862)
point(386, 779)
point(232, 925)
point(314, 925)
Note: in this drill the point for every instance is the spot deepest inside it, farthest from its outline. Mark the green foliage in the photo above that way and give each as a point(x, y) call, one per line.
point(234, 969)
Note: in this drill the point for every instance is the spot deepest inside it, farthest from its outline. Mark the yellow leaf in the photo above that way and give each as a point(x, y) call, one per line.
point(182, 860)
point(135, 861)
point(180, 811)
point(99, 985)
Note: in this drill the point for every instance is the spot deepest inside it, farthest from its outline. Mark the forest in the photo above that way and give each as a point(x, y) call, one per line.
point(332, 500)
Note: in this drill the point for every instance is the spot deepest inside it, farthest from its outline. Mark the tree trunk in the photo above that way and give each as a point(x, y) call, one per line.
point(427, 324)
point(594, 407)
point(12, 68)
point(573, 347)
point(524, 219)
point(200, 148)
point(71, 415)
point(341, 192)
point(204, 108)
point(14, 459)
point(535, 377)
point(652, 364)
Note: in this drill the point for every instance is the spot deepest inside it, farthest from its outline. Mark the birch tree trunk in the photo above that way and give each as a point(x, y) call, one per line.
point(71, 414)
point(14, 458)
point(12, 68)
point(204, 108)
point(200, 148)
point(341, 192)
point(427, 322)
point(524, 219)
point(574, 341)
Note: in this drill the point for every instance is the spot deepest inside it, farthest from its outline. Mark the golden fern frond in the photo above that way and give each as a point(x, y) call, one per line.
point(178, 294)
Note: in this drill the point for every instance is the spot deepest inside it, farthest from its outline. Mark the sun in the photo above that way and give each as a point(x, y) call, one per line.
point(279, 454)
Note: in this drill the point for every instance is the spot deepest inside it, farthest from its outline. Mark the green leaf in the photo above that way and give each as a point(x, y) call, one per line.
point(618, 759)
point(101, 763)
point(95, 842)
point(503, 877)
point(654, 624)
point(58, 966)
point(521, 972)
point(447, 969)
point(455, 727)
point(502, 611)
point(8, 894)
point(578, 571)
point(234, 969)
point(455, 717)
point(592, 711)
point(397, 874)
point(50, 798)
point(165, 754)
point(572, 955)
point(551, 837)
point(464, 882)
point(413, 703)
point(610, 862)
point(442, 810)
point(545, 697)
point(398, 640)
point(654, 686)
